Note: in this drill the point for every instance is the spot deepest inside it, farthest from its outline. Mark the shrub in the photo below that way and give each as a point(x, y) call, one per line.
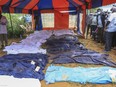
point(15, 31)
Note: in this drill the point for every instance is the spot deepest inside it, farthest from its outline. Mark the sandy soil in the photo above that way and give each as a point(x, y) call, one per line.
point(93, 46)
point(90, 45)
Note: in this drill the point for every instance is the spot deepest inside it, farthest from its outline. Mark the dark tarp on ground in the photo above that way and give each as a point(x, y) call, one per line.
point(21, 65)
point(74, 51)
point(62, 43)
point(85, 58)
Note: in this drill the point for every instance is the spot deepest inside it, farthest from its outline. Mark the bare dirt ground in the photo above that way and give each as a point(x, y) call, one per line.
point(90, 45)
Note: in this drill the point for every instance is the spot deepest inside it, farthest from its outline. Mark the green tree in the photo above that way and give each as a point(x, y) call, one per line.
point(15, 30)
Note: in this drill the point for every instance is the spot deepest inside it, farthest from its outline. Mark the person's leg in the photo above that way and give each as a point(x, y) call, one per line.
point(114, 39)
point(5, 39)
point(98, 34)
point(108, 42)
point(93, 32)
point(2, 41)
point(88, 27)
point(102, 35)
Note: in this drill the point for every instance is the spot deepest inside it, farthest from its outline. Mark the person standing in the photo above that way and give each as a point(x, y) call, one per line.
point(110, 30)
point(88, 23)
point(93, 26)
point(100, 25)
point(3, 30)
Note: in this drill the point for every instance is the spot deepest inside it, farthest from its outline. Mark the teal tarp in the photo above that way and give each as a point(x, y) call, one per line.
point(99, 75)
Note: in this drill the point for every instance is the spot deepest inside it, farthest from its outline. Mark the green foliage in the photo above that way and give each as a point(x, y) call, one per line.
point(94, 10)
point(15, 30)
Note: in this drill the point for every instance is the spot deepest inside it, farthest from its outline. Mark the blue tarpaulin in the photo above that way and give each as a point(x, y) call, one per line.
point(23, 65)
point(84, 56)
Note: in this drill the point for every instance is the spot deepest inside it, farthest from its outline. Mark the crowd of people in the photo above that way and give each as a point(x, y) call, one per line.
point(102, 27)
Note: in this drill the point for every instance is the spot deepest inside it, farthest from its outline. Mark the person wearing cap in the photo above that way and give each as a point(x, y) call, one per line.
point(110, 30)
point(3, 30)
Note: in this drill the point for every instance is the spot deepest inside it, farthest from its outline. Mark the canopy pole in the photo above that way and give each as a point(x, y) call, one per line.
point(11, 25)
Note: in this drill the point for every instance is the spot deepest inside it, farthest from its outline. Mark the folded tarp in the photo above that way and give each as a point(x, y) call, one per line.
point(9, 81)
point(23, 65)
point(82, 75)
point(85, 57)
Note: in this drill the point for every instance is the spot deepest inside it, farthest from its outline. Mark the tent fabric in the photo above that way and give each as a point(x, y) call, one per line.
point(29, 6)
point(98, 75)
point(61, 20)
point(22, 6)
point(98, 3)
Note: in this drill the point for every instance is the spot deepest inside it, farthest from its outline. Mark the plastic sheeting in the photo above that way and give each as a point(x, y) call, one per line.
point(62, 43)
point(9, 81)
point(82, 75)
point(23, 65)
point(83, 56)
point(32, 44)
point(68, 49)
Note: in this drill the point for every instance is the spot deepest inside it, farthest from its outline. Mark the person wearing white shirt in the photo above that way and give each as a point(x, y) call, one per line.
point(110, 30)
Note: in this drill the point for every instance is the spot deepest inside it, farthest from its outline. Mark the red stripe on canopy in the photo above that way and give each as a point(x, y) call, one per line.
point(2, 2)
point(14, 3)
point(31, 4)
point(88, 0)
point(78, 2)
point(35, 8)
point(107, 2)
